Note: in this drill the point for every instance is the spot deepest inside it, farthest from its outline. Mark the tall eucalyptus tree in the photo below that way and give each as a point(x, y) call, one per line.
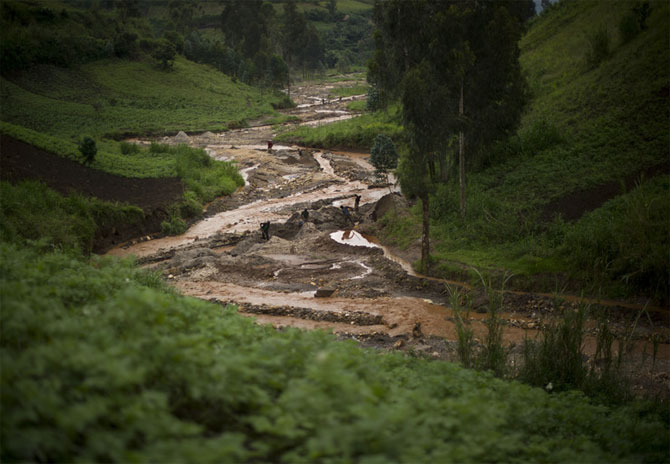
point(454, 67)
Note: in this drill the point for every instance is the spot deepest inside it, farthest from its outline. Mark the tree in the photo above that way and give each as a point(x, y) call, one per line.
point(332, 9)
point(454, 66)
point(292, 38)
point(88, 149)
point(181, 13)
point(165, 52)
point(383, 155)
point(245, 25)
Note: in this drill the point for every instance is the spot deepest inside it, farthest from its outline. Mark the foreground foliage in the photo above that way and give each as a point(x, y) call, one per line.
point(100, 363)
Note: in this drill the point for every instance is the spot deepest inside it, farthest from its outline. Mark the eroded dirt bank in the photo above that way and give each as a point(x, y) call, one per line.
point(325, 271)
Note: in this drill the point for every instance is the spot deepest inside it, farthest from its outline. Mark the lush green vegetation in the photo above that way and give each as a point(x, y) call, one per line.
point(31, 212)
point(359, 132)
point(112, 98)
point(584, 127)
point(349, 91)
point(101, 363)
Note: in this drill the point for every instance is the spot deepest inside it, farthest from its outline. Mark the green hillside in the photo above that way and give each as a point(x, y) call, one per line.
point(588, 127)
point(113, 98)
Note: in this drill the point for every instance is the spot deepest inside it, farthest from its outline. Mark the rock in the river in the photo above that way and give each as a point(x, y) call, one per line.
point(324, 292)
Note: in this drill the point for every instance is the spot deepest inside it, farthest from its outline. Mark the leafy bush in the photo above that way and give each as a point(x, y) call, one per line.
point(164, 52)
point(88, 149)
point(174, 226)
point(98, 363)
point(540, 136)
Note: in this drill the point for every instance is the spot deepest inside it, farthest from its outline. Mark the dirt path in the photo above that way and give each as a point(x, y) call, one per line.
point(374, 297)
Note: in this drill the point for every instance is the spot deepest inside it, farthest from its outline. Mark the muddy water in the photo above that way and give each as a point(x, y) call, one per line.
point(248, 217)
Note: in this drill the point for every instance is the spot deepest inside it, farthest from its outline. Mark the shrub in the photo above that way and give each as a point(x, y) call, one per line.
point(541, 135)
point(174, 226)
point(626, 240)
point(383, 154)
point(88, 149)
point(129, 148)
point(558, 358)
point(283, 103)
point(164, 51)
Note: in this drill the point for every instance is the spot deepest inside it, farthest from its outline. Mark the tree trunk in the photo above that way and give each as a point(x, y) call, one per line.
point(444, 174)
point(461, 158)
point(425, 244)
point(288, 79)
point(431, 166)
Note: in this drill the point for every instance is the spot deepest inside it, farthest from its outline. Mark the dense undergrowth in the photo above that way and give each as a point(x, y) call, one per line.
point(588, 125)
point(101, 363)
point(31, 212)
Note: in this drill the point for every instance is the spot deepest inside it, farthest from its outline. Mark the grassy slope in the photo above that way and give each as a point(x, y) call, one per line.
point(611, 121)
point(352, 133)
point(114, 97)
point(192, 382)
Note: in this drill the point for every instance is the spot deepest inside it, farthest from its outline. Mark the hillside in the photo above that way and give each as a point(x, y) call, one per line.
point(110, 99)
point(578, 197)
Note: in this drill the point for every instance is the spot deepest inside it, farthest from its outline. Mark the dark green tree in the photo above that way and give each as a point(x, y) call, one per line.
point(454, 67)
point(182, 14)
point(245, 25)
point(165, 52)
point(292, 36)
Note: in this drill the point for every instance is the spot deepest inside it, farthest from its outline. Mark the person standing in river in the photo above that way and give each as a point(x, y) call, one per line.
point(269, 146)
point(347, 215)
point(265, 229)
point(356, 202)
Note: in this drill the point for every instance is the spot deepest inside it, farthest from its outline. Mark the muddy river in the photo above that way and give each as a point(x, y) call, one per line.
point(321, 268)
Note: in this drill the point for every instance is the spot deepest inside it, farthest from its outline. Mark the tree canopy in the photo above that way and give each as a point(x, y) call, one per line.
point(454, 67)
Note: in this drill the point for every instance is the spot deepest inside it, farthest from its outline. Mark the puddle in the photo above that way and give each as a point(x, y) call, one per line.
point(352, 238)
point(264, 147)
point(246, 171)
point(368, 270)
